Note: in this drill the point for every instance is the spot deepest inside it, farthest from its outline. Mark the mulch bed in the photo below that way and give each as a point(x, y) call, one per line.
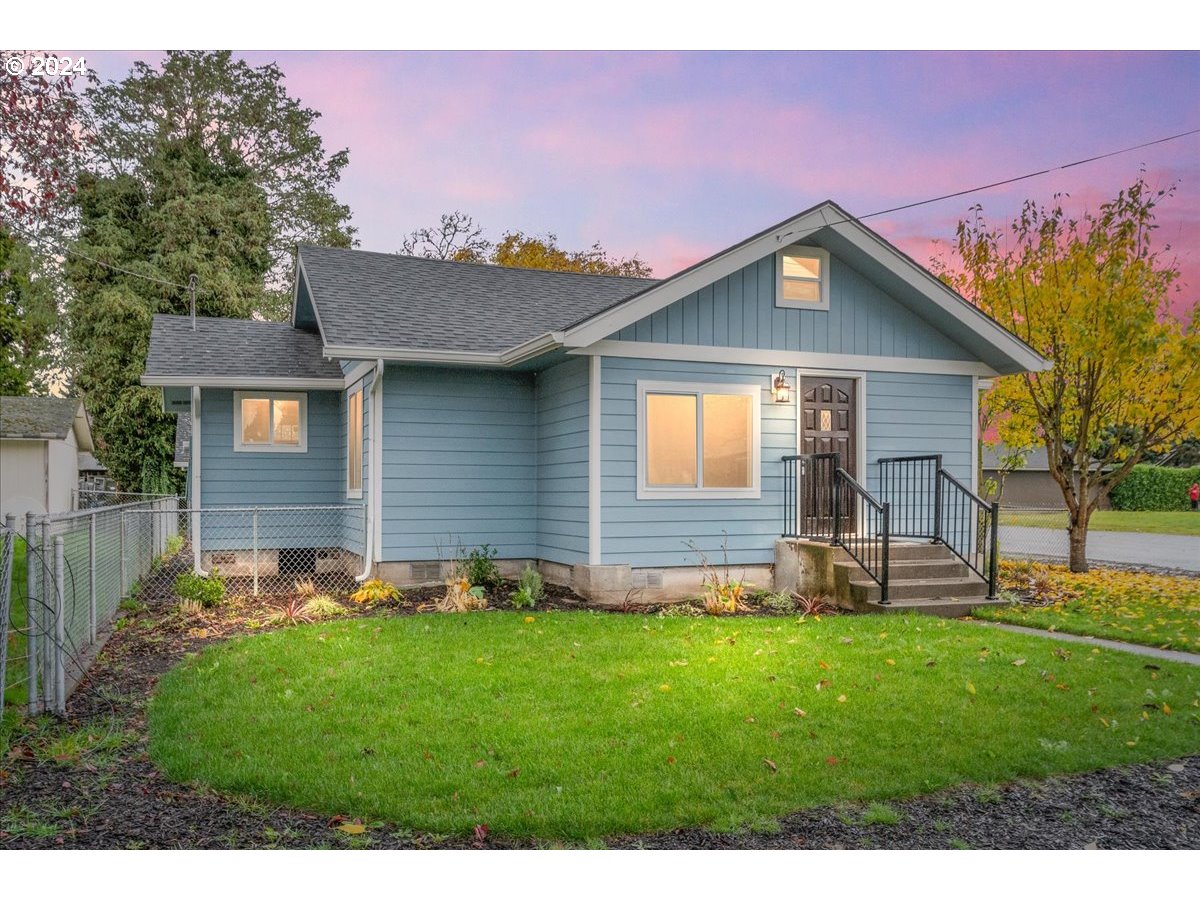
point(57, 794)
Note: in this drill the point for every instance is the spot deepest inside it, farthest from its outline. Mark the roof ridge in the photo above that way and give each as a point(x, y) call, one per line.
point(479, 265)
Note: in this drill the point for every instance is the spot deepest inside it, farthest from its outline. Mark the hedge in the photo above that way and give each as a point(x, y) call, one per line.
point(1155, 488)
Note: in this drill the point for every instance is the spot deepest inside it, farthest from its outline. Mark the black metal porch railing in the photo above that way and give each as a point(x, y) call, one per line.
point(917, 498)
point(970, 527)
point(808, 495)
point(862, 528)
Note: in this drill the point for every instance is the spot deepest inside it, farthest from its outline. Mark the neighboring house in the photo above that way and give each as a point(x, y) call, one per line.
point(595, 425)
point(93, 474)
point(1029, 487)
point(41, 439)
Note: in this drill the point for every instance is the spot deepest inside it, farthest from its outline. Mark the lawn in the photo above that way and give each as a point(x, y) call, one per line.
point(578, 725)
point(1171, 522)
point(1156, 610)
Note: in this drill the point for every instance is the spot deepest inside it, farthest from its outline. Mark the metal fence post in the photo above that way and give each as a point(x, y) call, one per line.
point(254, 545)
point(8, 553)
point(31, 617)
point(47, 615)
point(60, 637)
point(121, 550)
point(92, 578)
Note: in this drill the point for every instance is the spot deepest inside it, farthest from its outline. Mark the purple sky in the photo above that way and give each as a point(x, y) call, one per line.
point(676, 155)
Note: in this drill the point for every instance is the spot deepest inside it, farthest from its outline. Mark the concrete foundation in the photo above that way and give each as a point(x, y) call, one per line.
point(805, 567)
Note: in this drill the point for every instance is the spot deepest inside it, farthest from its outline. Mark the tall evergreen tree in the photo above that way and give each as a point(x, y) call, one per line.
point(193, 212)
point(28, 318)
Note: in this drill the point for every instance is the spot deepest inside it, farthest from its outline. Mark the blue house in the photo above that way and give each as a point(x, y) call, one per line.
point(809, 387)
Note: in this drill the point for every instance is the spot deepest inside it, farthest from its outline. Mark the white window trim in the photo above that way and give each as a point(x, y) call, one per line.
point(698, 388)
point(239, 447)
point(351, 492)
point(818, 253)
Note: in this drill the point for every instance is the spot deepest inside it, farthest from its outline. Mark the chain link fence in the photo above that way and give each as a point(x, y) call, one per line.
point(1028, 533)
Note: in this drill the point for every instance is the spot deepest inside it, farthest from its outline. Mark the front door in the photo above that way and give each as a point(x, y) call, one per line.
point(827, 425)
point(828, 419)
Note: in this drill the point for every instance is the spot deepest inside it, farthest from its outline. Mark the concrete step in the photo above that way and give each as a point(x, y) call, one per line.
point(911, 569)
point(863, 590)
point(944, 608)
point(899, 551)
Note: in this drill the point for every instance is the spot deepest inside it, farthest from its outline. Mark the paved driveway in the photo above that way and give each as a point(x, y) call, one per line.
point(1170, 551)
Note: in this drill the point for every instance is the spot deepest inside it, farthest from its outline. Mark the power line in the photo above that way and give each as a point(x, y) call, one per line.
point(995, 184)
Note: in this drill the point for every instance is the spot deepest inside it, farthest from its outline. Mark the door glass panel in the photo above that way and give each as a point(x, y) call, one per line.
point(256, 421)
point(671, 440)
point(728, 440)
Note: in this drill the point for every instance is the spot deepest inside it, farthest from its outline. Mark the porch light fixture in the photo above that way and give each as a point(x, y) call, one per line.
point(780, 389)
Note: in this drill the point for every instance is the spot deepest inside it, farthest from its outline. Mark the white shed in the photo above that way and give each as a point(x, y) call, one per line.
point(40, 442)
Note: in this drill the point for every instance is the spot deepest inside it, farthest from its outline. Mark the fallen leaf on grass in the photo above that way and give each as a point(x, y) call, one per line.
point(831, 760)
point(841, 698)
point(798, 711)
point(770, 765)
point(514, 773)
point(970, 689)
point(1018, 662)
point(352, 828)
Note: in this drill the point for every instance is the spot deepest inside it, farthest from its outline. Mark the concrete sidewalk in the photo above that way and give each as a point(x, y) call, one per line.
point(1192, 659)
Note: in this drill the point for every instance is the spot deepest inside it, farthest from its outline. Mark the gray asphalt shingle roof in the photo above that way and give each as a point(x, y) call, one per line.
point(183, 440)
point(368, 299)
point(234, 348)
point(37, 417)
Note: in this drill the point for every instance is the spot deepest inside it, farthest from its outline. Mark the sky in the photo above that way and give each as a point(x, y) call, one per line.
point(674, 156)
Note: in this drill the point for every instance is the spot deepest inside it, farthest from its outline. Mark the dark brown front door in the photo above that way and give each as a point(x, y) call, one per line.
point(828, 419)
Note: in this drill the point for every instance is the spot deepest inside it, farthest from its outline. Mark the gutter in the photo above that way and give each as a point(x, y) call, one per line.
point(194, 475)
point(369, 489)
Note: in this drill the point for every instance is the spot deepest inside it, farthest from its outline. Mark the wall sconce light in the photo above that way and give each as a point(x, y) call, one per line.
point(780, 389)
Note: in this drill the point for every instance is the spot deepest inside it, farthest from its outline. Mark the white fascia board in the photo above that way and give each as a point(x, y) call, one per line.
point(612, 320)
point(783, 358)
point(312, 298)
point(536, 347)
point(949, 302)
point(221, 381)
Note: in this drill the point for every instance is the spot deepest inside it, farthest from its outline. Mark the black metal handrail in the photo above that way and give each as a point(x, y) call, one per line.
point(808, 495)
point(910, 484)
point(868, 536)
point(970, 527)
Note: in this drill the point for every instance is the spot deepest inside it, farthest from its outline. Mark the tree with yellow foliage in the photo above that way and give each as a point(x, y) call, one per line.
point(1091, 294)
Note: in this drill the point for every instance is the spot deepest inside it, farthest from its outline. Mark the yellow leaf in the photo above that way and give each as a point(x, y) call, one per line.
point(798, 711)
point(1166, 709)
point(528, 619)
point(1018, 662)
point(970, 689)
point(352, 828)
point(841, 698)
point(664, 687)
point(890, 662)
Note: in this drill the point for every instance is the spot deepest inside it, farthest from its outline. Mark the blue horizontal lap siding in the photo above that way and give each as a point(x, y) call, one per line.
point(459, 462)
point(239, 479)
point(739, 311)
point(655, 533)
point(562, 462)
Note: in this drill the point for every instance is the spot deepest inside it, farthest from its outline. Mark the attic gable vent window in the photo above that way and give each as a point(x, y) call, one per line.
point(802, 278)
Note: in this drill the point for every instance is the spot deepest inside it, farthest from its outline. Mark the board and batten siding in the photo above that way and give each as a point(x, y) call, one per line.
point(910, 414)
point(739, 311)
point(459, 463)
point(561, 394)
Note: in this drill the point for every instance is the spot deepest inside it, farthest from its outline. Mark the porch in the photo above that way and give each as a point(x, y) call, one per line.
point(922, 541)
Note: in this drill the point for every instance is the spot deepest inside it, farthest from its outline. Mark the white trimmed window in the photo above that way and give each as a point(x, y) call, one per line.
point(802, 278)
point(270, 422)
point(698, 441)
point(354, 442)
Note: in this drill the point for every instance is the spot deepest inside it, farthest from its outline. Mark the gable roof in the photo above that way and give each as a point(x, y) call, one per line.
point(368, 305)
point(45, 418)
point(364, 299)
point(235, 352)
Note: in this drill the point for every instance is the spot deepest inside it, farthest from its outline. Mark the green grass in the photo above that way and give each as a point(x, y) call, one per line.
point(1171, 522)
point(577, 725)
point(1139, 607)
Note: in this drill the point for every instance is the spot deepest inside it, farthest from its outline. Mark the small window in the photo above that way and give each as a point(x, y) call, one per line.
point(803, 278)
point(698, 441)
point(270, 422)
point(354, 442)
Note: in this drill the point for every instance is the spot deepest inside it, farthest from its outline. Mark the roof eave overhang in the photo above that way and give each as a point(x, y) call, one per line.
point(244, 382)
point(535, 347)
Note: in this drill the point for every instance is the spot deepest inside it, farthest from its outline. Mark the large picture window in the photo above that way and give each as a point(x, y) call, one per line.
point(698, 441)
point(354, 442)
point(802, 278)
point(270, 422)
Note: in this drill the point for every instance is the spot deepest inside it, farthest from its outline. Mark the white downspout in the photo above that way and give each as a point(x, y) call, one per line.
point(376, 458)
point(194, 475)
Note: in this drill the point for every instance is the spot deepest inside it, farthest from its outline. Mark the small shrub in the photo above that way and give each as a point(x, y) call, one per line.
point(461, 596)
point(376, 591)
point(322, 606)
point(721, 593)
point(207, 591)
point(479, 566)
point(817, 605)
point(776, 601)
point(305, 588)
point(174, 545)
point(292, 613)
point(530, 590)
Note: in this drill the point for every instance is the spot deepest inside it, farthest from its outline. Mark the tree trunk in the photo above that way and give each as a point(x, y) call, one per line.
point(1078, 539)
